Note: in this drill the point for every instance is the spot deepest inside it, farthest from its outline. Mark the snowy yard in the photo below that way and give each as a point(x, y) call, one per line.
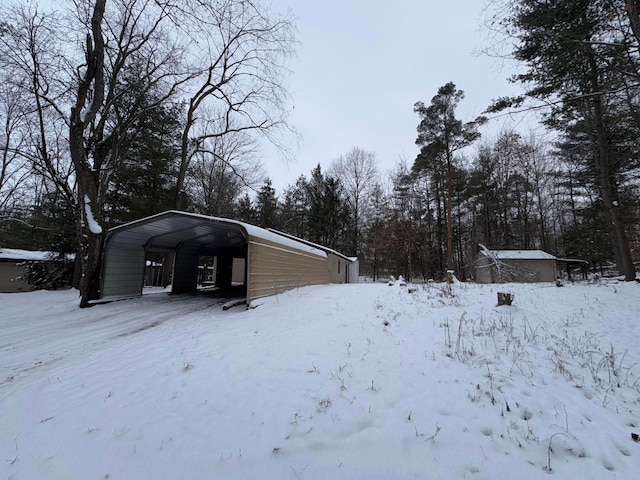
point(363, 381)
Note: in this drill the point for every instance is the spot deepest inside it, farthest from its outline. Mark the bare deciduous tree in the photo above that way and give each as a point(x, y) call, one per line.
point(633, 12)
point(14, 168)
point(237, 59)
point(84, 113)
point(101, 60)
point(32, 92)
point(221, 170)
point(358, 172)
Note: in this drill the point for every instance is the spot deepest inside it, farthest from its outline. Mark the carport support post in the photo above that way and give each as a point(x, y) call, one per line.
point(185, 270)
point(167, 269)
point(224, 269)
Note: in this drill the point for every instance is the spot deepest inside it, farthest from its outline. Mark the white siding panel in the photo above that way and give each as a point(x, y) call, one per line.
point(123, 272)
point(337, 268)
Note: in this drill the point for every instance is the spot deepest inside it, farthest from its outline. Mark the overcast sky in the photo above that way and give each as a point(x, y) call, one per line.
point(361, 65)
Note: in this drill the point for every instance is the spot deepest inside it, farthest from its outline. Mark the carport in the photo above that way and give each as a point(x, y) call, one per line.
point(272, 262)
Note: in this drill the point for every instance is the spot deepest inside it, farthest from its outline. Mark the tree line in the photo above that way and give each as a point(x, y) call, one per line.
point(113, 110)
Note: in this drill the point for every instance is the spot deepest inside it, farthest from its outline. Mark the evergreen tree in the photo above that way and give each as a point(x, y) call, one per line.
point(245, 211)
point(267, 206)
point(375, 239)
point(55, 226)
point(144, 183)
point(440, 136)
point(327, 213)
point(293, 216)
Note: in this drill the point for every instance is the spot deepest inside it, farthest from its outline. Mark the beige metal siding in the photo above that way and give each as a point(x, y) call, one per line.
point(12, 277)
point(516, 270)
point(536, 270)
point(238, 271)
point(275, 268)
point(354, 271)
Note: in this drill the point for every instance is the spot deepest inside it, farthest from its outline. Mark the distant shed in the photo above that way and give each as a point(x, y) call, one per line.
point(500, 266)
point(272, 262)
point(13, 274)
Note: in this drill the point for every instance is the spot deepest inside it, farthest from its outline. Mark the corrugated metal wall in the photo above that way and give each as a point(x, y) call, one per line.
point(239, 271)
point(274, 263)
point(337, 268)
point(275, 268)
point(354, 271)
point(185, 270)
point(123, 272)
point(535, 270)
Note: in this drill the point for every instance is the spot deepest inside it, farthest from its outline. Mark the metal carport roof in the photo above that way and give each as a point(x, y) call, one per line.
point(167, 231)
point(163, 232)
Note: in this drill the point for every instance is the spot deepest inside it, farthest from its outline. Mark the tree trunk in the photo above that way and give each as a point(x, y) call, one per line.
point(90, 89)
point(179, 201)
point(450, 265)
point(90, 234)
point(633, 12)
point(620, 244)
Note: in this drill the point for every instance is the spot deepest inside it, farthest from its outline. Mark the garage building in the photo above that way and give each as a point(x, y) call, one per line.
point(272, 263)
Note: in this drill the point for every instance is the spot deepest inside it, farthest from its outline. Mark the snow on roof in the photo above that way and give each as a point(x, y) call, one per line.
point(251, 230)
point(23, 255)
point(263, 234)
point(522, 255)
point(572, 260)
point(311, 244)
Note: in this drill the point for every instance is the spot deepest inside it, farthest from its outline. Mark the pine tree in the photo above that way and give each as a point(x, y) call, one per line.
point(245, 211)
point(267, 206)
point(293, 217)
point(440, 136)
point(327, 215)
point(144, 183)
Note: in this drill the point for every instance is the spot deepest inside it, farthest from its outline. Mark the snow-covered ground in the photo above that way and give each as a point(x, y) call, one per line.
point(363, 381)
